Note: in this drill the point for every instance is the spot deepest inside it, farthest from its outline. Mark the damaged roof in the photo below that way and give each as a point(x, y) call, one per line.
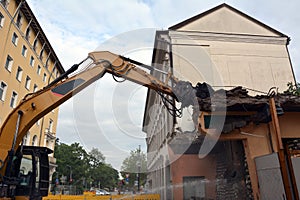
point(238, 99)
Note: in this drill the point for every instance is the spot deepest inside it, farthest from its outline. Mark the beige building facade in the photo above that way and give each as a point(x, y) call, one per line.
point(225, 48)
point(28, 63)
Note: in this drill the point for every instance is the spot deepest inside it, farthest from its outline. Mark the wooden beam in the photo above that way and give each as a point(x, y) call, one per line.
point(280, 150)
point(290, 167)
point(275, 124)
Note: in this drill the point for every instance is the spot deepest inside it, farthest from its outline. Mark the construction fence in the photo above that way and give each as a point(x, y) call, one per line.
point(104, 197)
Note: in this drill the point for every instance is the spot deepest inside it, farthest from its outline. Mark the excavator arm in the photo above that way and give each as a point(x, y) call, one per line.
point(36, 105)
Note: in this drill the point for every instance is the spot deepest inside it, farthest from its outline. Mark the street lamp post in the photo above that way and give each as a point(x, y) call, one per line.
point(139, 167)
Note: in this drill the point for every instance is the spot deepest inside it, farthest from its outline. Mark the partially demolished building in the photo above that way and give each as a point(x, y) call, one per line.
point(247, 140)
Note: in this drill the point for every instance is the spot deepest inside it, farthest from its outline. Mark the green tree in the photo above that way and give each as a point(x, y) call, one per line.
point(96, 157)
point(105, 176)
point(293, 89)
point(87, 169)
point(71, 159)
point(101, 173)
point(135, 164)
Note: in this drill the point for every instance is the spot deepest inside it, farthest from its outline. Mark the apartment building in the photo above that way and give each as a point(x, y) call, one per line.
point(225, 48)
point(27, 64)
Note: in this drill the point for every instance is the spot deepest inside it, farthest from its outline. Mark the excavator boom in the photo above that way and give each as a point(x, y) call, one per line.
point(42, 102)
point(39, 104)
point(34, 106)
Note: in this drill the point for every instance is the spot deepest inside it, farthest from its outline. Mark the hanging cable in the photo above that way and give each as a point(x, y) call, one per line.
point(169, 104)
point(173, 110)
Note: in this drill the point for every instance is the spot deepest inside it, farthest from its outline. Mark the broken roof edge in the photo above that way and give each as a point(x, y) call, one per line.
point(196, 17)
point(238, 99)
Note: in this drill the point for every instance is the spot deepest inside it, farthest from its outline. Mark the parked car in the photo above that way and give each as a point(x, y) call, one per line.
point(102, 192)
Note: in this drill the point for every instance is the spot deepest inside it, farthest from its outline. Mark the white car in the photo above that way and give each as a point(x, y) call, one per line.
point(102, 192)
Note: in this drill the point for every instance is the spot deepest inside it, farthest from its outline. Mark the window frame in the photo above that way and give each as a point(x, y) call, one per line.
point(13, 99)
point(9, 63)
point(34, 141)
point(34, 45)
point(27, 82)
point(15, 38)
point(51, 125)
point(24, 51)
point(39, 69)
point(35, 88)
point(44, 77)
point(27, 33)
point(41, 54)
point(47, 63)
point(31, 61)
point(3, 90)
point(19, 20)
point(19, 74)
point(1, 20)
point(26, 138)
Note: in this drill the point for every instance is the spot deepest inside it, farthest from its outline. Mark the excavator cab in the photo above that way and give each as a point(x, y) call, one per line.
point(29, 175)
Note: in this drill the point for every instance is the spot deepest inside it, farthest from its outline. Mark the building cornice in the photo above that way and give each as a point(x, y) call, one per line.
point(29, 15)
point(193, 36)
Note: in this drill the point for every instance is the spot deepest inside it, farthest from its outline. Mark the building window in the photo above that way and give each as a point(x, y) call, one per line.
point(26, 138)
point(57, 74)
point(35, 87)
point(45, 77)
point(31, 61)
point(27, 82)
point(13, 99)
point(38, 71)
point(34, 140)
point(41, 54)
point(27, 34)
point(47, 63)
point(50, 125)
point(54, 72)
point(3, 88)
point(15, 39)
point(4, 3)
point(9, 63)
point(194, 187)
point(24, 51)
point(19, 74)
point(19, 19)
point(1, 20)
point(34, 44)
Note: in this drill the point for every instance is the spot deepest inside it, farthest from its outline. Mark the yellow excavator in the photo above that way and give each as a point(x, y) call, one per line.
point(28, 179)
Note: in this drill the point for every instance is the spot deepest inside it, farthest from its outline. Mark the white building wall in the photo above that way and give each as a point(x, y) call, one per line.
point(253, 62)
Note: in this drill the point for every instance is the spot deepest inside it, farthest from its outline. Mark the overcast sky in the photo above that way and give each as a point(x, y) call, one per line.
point(95, 118)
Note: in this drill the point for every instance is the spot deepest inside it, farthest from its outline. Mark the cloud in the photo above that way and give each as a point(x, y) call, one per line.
point(93, 17)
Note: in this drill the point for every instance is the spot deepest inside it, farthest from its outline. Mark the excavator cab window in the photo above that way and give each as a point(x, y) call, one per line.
point(25, 176)
point(32, 171)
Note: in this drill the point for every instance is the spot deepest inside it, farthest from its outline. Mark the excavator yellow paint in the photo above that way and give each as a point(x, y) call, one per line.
point(36, 105)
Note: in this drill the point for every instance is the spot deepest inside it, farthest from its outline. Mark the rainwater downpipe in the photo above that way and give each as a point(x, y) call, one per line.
point(172, 71)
